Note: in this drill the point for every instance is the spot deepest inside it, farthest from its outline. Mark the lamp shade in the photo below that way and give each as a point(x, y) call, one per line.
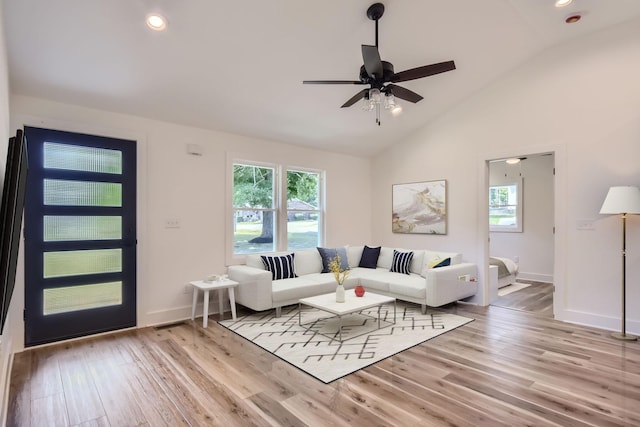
point(621, 200)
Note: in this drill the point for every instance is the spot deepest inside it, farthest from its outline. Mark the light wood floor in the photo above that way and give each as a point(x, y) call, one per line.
point(507, 368)
point(537, 298)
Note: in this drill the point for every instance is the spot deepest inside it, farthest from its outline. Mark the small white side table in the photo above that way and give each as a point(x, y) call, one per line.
point(217, 285)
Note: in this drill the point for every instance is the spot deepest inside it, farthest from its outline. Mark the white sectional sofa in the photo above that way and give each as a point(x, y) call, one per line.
point(424, 285)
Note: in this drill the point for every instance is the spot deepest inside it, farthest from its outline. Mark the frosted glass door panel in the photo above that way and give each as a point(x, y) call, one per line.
point(79, 158)
point(73, 228)
point(60, 192)
point(75, 263)
point(83, 297)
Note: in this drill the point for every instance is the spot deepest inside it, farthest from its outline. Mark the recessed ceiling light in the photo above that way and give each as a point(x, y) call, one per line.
point(156, 22)
point(563, 3)
point(513, 161)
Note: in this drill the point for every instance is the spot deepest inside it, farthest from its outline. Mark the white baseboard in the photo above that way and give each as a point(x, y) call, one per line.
point(178, 314)
point(598, 321)
point(546, 278)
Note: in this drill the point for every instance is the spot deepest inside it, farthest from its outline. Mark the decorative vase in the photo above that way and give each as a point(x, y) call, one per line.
point(359, 290)
point(340, 293)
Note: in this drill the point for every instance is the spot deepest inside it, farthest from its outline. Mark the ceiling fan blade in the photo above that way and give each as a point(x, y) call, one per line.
point(372, 62)
point(332, 82)
point(424, 71)
point(357, 97)
point(403, 93)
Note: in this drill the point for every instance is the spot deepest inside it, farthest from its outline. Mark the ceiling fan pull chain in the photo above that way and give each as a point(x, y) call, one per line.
point(377, 34)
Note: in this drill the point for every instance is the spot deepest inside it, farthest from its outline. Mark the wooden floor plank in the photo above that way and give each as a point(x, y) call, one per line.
point(46, 379)
point(536, 298)
point(273, 411)
point(82, 398)
point(508, 367)
point(51, 408)
point(115, 393)
point(19, 406)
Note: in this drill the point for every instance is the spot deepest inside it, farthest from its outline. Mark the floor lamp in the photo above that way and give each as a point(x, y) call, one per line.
point(623, 201)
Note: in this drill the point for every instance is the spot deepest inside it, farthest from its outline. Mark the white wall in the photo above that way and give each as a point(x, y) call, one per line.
point(173, 184)
point(534, 246)
point(580, 100)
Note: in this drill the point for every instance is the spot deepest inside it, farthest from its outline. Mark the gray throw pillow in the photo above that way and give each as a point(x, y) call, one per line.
point(328, 254)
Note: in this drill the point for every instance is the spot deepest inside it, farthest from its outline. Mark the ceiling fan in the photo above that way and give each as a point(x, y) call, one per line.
point(380, 76)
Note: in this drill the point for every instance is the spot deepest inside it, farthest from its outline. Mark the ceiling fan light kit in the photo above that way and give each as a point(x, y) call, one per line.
point(380, 76)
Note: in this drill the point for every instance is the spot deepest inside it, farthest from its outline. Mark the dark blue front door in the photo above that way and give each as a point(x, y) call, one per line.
point(80, 235)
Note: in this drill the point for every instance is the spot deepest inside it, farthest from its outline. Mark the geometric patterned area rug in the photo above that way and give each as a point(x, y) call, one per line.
point(315, 349)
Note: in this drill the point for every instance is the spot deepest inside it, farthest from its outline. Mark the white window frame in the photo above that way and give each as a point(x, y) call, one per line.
point(518, 227)
point(280, 205)
point(286, 210)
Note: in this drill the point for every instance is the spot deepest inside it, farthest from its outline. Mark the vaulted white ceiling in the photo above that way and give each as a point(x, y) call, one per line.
point(238, 65)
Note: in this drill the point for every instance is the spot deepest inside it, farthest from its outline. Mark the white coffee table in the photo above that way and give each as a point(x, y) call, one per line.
point(216, 285)
point(352, 304)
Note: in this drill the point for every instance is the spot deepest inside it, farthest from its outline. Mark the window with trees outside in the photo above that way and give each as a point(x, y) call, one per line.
point(505, 207)
point(262, 222)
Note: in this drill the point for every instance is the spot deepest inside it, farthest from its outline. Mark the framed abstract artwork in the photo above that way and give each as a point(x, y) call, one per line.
point(419, 208)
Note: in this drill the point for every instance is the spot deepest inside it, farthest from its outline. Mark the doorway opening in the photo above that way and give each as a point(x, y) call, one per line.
point(522, 232)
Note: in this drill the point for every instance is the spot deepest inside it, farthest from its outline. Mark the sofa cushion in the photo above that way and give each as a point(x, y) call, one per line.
point(328, 254)
point(281, 267)
point(412, 285)
point(354, 253)
point(369, 257)
point(255, 261)
point(307, 262)
point(290, 290)
point(417, 263)
point(371, 279)
point(401, 262)
point(386, 258)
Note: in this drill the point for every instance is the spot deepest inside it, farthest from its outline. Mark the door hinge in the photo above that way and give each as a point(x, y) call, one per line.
point(24, 314)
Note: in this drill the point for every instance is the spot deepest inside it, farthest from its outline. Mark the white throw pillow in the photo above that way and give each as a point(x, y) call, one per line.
point(354, 253)
point(308, 262)
point(386, 258)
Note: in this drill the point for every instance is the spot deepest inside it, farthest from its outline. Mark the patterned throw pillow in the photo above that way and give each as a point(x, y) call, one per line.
point(401, 262)
point(281, 267)
point(440, 263)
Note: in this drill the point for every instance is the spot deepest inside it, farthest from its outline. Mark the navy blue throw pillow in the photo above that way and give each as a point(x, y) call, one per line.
point(369, 258)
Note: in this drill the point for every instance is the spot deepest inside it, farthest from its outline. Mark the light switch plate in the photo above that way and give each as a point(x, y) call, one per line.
point(172, 223)
point(585, 224)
